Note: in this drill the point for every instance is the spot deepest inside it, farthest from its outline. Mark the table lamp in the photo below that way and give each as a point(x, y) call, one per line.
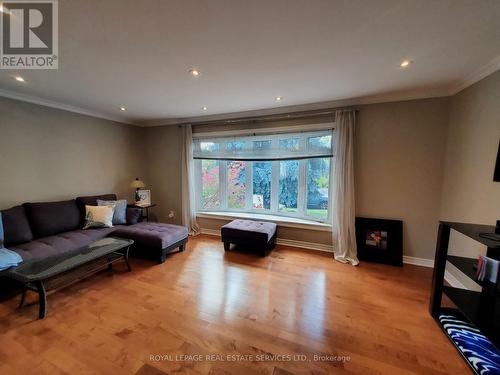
point(137, 184)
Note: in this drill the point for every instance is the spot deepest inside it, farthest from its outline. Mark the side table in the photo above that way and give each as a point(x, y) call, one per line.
point(145, 210)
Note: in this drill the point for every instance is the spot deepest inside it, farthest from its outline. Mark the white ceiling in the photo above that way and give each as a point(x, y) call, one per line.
point(138, 53)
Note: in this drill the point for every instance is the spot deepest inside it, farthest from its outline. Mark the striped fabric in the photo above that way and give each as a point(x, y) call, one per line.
point(480, 353)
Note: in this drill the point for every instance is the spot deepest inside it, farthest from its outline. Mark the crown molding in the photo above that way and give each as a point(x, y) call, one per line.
point(479, 74)
point(475, 76)
point(65, 107)
point(349, 102)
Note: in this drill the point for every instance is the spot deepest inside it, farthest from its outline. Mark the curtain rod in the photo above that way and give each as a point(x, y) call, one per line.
point(267, 118)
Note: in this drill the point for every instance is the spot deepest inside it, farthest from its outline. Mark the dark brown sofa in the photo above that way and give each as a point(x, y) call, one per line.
point(39, 230)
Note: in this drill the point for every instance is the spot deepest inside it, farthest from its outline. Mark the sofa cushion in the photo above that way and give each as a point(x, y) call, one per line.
point(49, 218)
point(16, 226)
point(152, 235)
point(91, 200)
point(60, 243)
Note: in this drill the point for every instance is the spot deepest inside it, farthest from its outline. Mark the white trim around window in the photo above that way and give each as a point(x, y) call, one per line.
point(313, 213)
point(283, 221)
point(263, 131)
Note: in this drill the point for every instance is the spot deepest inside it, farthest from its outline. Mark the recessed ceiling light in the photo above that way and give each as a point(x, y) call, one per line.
point(19, 79)
point(204, 108)
point(123, 109)
point(278, 98)
point(194, 72)
point(405, 64)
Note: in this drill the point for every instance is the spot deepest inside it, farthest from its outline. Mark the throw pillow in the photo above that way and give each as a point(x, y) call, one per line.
point(120, 215)
point(98, 216)
point(8, 258)
point(16, 226)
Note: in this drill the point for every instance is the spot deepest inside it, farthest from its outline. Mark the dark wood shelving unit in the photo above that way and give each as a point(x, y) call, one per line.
point(468, 267)
point(482, 309)
point(479, 308)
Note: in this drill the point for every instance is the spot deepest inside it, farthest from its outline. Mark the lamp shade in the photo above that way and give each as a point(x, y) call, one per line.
point(137, 184)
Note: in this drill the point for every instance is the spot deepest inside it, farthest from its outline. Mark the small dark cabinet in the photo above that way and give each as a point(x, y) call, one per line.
point(480, 308)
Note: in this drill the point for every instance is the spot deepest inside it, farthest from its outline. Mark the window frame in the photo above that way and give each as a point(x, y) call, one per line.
point(275, 174)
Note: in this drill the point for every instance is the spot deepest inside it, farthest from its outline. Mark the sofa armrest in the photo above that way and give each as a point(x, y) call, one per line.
point(134, 215)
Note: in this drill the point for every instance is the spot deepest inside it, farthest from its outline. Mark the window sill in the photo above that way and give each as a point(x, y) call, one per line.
point(291, 222)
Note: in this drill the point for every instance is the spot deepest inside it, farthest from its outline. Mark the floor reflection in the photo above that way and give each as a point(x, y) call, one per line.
point(233, 286)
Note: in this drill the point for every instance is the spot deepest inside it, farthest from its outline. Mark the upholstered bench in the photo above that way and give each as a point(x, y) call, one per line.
point(258, 234)
point(156, 237)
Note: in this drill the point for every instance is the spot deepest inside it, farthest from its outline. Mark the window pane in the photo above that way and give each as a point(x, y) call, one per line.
point(318, 182)
point(209, 146)
point(288, 186)
point(236, 184)
point(235, 145)
point(323, 143)
point(210, 184)
point(262, 145)
point(261, 198)
point(289, 144)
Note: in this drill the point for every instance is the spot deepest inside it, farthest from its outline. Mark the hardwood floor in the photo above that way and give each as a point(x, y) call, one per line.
point(207, 302)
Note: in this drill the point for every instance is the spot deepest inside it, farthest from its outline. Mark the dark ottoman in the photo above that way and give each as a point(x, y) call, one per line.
point(156, 237)
point(258, 234)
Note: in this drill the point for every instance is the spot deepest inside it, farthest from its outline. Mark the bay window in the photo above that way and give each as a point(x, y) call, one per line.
point(280, 174)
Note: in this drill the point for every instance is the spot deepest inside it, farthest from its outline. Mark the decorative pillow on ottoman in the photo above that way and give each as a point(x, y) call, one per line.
point(8, 258)
point(120, 215)
point(98, 216)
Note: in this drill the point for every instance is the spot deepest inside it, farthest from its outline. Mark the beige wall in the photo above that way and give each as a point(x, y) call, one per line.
point(49, 154)
point(399, 162)
point(469, 193)
point(417, 161)
point(399, 159)
point(162, 147)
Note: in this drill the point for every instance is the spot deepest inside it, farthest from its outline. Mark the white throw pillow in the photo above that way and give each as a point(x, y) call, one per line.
point(99, 216)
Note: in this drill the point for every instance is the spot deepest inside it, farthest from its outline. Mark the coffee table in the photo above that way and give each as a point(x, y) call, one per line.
point(55, 272)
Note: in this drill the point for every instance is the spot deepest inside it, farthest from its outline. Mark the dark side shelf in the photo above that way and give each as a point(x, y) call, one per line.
point(480, 308)
point(474, 231)
point(465, 265)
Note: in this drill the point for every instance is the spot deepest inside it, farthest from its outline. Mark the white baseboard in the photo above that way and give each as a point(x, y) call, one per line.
point(453, 281)
point(422, 262)
point(210, 232)
point(305, 245)
point(284, 242)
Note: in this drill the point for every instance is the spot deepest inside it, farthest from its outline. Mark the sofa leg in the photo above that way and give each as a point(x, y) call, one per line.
point(181, 248)
point(227, 246)
point(163, 257)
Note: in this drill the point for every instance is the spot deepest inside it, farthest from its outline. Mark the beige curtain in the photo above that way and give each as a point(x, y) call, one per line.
point(188, 184)
point(342, 192)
